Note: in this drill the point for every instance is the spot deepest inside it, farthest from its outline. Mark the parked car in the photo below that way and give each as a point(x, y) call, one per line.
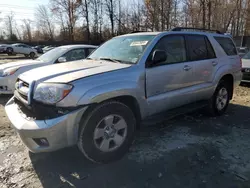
point(3, 48)
point(39, 49)
point(246, 68)
point(242, 51)
point(98, 103)
point(20, 48)
point(48, 48)
point(10, 71)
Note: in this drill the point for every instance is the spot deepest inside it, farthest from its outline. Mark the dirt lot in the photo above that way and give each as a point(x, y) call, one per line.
point(4, 58)
point(188, 151)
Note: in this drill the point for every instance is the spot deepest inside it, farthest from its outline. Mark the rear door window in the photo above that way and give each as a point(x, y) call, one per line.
point(199, 48)
point(227, 45)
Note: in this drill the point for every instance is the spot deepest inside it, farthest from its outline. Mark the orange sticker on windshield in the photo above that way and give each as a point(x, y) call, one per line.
point(139, 43)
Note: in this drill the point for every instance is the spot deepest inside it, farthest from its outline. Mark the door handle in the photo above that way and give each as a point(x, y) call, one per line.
point(214, 63)
point(187, 68)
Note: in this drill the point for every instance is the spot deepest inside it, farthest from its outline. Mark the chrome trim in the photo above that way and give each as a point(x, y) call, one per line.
point(30, 93)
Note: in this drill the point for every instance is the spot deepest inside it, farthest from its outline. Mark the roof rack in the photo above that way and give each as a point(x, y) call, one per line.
point(136, 31)
point(195, 29)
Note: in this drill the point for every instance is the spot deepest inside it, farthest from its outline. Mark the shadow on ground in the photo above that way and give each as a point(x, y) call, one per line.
point(197, 165)
point(4, 99)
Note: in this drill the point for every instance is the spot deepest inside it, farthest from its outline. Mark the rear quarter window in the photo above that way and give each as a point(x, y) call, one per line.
point(227, 45)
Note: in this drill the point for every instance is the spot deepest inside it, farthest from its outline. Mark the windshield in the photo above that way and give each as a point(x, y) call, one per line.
point(52, 54)
point(247, 56)
point(124, 49)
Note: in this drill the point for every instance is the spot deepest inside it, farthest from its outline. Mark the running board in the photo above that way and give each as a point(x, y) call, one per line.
point(158, 118)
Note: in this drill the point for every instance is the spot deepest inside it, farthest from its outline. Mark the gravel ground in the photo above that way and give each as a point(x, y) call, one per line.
point(188, 151)
point(4, 58)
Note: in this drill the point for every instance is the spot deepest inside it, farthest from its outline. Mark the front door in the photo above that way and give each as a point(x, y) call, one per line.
point(168, 83)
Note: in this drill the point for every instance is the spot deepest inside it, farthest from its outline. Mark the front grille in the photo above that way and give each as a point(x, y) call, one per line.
point(19, 85)
point(38, 111)
point(23, 96)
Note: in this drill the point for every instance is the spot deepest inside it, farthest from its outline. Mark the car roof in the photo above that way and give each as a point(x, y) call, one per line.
point(178, 32)
point(78, 46)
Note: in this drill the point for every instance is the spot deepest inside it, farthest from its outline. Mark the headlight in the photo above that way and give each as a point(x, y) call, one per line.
point(51, 93)
point(9, 72)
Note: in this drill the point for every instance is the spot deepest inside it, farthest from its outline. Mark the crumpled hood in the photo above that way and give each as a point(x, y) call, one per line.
point(245, 63)
point(67, 72)
point(18, 64)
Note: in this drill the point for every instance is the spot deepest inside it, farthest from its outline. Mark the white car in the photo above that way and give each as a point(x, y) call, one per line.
point(19, 48)
point(3, 48)
point(10, 71)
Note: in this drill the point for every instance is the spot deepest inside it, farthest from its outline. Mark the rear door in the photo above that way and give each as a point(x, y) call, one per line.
point(26, 49)
point(203, 56)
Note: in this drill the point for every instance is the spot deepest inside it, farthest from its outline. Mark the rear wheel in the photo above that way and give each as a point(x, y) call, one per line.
point(107, 132)
point(220, 100)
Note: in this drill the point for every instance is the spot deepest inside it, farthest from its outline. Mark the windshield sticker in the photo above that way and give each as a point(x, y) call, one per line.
point(139, 43)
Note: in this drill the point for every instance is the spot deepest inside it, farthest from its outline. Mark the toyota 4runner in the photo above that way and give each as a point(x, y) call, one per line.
point(98, 103)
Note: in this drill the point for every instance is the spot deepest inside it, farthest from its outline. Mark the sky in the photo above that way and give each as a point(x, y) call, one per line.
point(25, 9)
point(22, 9)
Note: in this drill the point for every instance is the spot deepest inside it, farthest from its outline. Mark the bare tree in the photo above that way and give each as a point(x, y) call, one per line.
point(69, 10)
point(85, 11)
point(45, 21)
point(110, 7)
point(27, 29)
point(9, 21)
point(96, 8)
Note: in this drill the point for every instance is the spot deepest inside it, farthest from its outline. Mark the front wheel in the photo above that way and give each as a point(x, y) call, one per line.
point(107, 132)
point(220, 100)
point(9, 51)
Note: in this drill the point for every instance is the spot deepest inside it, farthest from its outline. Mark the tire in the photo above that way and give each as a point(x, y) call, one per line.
point(215, 109)
point(9, 51)
point(32, 55)
point(91, 147)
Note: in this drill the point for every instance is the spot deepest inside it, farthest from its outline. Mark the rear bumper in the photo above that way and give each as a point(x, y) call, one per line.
point(59, 132)
point(245, 77)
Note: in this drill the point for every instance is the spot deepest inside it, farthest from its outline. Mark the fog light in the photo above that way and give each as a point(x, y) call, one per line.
point(41, 141)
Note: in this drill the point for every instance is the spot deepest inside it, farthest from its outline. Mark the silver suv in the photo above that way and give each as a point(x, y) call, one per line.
point(129, 81)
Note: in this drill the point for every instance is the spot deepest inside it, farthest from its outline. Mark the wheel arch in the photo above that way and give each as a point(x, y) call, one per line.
point(229, 79)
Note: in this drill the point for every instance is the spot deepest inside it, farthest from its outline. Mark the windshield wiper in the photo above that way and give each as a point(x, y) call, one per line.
point(88, 58)
point(115, 60)
point(110, 59)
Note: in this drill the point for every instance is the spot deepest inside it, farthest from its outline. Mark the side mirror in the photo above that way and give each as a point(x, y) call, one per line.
point(62, 59)
point(159, 56)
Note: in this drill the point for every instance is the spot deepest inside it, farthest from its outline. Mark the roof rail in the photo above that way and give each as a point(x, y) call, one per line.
point(195, 29)
point(136, 31)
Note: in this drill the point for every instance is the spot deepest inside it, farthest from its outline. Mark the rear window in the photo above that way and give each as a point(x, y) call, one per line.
point(227, 45)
